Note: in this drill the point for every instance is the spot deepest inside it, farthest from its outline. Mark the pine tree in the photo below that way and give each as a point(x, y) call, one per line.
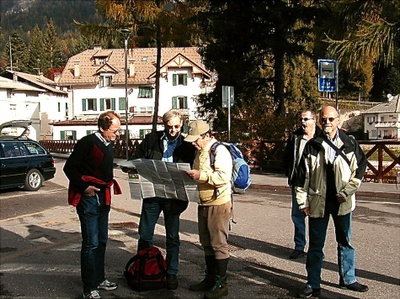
point(54, 57)
point(19, 53)
point(36, 51)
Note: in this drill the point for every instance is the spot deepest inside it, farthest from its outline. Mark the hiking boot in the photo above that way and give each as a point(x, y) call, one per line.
point(296, 254)
point(172, 282)
point(205, 285)
point(357, 287)
point(92, 295)
point(219, 290)
point(107, 286)
point(309, 292)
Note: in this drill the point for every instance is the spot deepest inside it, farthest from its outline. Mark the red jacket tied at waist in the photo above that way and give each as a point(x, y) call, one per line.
point(75, 196)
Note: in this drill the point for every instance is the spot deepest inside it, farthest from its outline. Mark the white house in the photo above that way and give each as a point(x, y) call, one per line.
point(35, 98)
point(383, 120)
point(95, 81)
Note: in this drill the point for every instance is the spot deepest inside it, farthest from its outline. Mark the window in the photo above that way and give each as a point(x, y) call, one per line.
point(89, 105)
point(179, 79)
point(59, 107)
point(143, 133)
point(179, 102)
point(105, 80)
point(68, 135)
point(145, 92)
point(13, 110)
point(107, 104)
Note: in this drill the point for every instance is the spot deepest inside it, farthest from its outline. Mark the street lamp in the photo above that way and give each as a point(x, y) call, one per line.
point(126, 33)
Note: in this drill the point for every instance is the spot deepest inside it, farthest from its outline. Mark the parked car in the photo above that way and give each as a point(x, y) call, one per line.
point(23, 162)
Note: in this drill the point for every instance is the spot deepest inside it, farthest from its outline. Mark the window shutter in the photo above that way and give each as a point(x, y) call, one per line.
point(94, 104)
point(74, 135)
point(121, 104)
point(83, 104)
point(174, 79)
point(113, 103)
point(185, 104)
point(174, 102)
point(88, 132)
point(62, 135)
point(141, 134)
point(101, 104)
point(185, 79)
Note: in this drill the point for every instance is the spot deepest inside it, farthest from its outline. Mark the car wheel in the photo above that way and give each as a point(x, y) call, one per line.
point(33, 180)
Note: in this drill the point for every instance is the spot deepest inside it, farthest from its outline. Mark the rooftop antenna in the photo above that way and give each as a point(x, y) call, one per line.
point(9, 41)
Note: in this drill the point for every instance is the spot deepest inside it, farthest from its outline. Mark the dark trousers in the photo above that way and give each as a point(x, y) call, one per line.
point(93, 215)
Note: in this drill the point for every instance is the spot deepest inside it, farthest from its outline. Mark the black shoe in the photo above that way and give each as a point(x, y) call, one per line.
point(357, 287)
point(172, 282)
point(309, 292)
point(296, 254)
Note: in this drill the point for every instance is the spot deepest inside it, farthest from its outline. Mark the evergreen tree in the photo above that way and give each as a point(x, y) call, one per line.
point(36, 51)
point(54, 57)
point(19, 53)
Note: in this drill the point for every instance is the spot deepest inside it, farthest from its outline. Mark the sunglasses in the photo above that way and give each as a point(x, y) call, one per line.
point(173, 127)
point(306, 119)
point(325, 119)
point(117, 131)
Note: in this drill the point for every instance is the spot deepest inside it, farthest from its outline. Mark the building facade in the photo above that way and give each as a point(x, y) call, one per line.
point(95, 81)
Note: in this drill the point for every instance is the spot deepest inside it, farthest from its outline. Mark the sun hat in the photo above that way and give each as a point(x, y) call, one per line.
point(196, 129)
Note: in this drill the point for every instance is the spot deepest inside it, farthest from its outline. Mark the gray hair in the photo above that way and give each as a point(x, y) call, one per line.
point(171, 114)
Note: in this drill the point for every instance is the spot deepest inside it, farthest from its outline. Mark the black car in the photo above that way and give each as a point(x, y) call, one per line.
point(23, 162)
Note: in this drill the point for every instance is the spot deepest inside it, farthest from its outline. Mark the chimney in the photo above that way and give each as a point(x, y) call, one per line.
point(15, 77)
point(97, 47)
point(131, 68)
point(76, 69)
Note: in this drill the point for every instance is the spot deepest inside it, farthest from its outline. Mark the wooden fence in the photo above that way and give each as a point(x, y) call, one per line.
point(266, 155)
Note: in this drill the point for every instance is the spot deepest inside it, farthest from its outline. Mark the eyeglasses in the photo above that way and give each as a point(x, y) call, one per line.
point(305, 119)
point(325, 119)
point(173, 127)
point(117, 131)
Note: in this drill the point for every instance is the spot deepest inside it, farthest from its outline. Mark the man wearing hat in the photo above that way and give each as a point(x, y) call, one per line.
point(214, 185)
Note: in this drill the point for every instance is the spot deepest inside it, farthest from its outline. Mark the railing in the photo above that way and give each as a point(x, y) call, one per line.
point(267, 155)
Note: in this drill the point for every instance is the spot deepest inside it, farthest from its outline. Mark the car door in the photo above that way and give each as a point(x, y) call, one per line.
point(12, 164)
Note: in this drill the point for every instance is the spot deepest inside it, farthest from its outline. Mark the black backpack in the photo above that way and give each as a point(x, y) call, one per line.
point(146, 270)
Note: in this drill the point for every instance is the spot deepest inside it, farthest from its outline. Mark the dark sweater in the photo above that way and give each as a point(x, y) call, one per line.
point(90, 157)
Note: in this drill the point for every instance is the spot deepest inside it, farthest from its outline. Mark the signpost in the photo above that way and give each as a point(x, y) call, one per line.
point(228, 98)
point(328, 77)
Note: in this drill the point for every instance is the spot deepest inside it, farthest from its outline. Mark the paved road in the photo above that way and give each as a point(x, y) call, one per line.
point(40, 243)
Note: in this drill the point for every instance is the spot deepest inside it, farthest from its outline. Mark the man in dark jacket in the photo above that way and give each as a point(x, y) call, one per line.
point(168, 146)
point(293, 152)
point(89, 169)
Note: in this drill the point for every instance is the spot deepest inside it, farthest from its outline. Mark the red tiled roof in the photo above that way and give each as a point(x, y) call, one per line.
point(144, 60)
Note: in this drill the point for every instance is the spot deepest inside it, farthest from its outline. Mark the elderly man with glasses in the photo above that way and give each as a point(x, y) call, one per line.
point(333, 165)
point(169, 146)
point(293, 152)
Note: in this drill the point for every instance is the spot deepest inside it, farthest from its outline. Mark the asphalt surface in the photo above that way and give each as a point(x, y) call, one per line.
point(40, 244)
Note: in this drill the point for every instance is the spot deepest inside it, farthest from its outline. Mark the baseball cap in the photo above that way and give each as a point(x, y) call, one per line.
point(196, 129)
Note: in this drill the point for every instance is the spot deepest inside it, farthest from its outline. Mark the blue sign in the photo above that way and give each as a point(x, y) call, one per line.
point(327, 75)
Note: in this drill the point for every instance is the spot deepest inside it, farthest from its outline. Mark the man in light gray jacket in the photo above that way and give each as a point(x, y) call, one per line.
point(333, 166)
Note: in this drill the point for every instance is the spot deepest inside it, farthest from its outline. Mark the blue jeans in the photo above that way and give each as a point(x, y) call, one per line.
point(151, 209)
point(345, 252)
point(93, 215)
point(299, 222)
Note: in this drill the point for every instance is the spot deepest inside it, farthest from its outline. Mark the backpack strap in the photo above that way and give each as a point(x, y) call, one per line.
point(213, 151)
point(339, 151)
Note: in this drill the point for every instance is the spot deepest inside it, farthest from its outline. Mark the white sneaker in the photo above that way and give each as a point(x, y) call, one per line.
point(92, 295)
point(108, 286)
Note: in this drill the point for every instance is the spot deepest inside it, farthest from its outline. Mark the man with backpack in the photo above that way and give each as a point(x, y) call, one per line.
point(333, 165)
point(214, 210)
